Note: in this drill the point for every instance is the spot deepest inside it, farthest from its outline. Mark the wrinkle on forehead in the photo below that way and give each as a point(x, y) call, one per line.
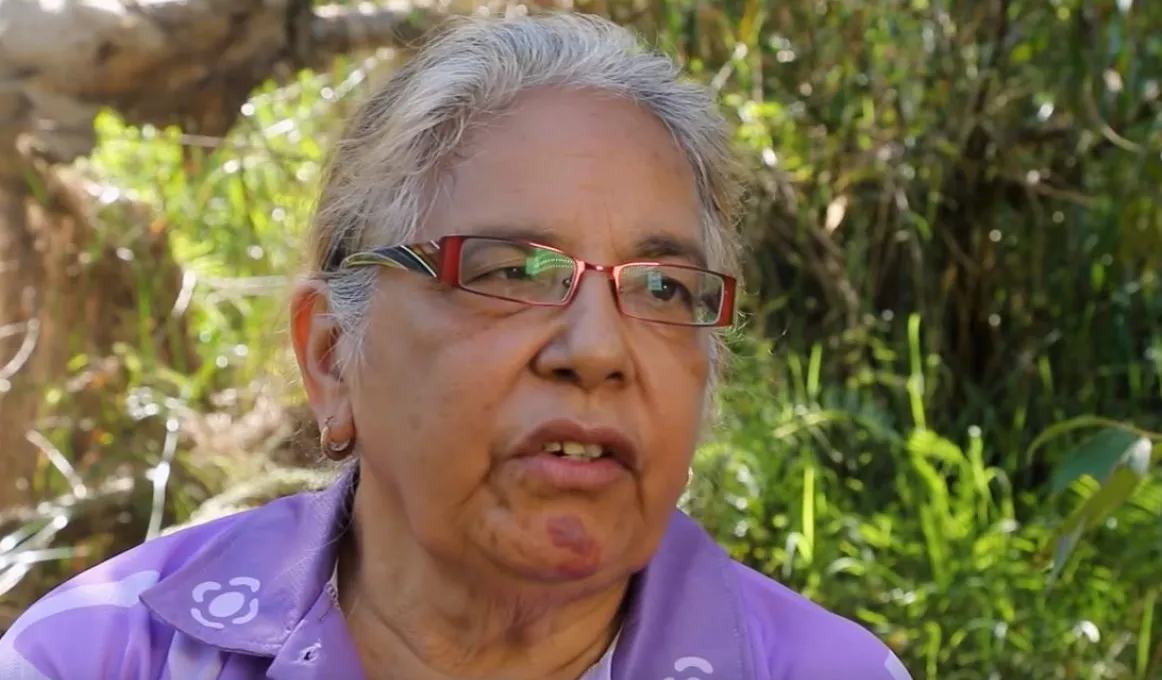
point(594, 175)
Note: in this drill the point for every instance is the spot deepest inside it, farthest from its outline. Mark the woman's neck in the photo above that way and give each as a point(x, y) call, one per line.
point(411, 617)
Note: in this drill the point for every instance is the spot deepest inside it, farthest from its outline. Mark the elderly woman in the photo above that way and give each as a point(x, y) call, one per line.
point(519, 265)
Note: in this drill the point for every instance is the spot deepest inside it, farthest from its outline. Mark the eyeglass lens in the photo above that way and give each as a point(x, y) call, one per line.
point(528, 273)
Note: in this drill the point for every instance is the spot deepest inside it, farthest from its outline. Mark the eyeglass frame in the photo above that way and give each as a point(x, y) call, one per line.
point(440, 259)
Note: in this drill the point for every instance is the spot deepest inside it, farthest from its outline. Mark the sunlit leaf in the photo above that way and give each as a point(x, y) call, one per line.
point(1098, 455)
point(1123, 469)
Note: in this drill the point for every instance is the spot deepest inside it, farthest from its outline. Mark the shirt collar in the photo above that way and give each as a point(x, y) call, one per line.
point(686, 614)
point(247, 589)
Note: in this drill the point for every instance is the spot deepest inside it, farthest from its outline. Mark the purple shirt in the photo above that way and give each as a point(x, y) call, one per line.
point(248, 597)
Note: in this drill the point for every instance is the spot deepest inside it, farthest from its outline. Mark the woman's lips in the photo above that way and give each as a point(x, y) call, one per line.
point(618, 447)
point(568, 474)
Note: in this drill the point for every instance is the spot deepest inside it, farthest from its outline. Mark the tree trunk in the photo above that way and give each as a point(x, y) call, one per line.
point(19, 276)
point(190, 63)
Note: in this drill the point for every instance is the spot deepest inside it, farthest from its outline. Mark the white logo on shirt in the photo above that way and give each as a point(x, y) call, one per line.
point(691, 662)
point(232, 605)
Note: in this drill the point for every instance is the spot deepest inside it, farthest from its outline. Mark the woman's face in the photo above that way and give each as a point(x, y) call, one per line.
point(455, 391)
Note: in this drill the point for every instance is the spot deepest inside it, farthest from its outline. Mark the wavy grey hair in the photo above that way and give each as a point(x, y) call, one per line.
point(386, 168)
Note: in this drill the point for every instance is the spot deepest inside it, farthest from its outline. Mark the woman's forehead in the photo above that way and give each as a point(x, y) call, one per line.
point(590, 174)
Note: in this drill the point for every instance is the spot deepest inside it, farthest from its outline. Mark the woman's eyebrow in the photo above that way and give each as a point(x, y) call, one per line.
point(657, 246)
point(517, 232)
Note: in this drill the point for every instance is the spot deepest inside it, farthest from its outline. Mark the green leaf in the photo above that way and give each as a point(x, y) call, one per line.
point(1097, 457)
point(1021, 53)
point(1128, 469)
point(1058, 429)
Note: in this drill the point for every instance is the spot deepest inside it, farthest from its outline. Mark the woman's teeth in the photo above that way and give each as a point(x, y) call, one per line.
point(575, 450)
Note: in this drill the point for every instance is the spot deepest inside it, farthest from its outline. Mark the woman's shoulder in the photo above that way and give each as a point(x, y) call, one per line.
point(799, 639)
point(95, 625)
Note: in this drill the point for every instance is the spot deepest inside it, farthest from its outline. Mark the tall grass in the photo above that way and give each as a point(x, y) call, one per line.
point(913, 533)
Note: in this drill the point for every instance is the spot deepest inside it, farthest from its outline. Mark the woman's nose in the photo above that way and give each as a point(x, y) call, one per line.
point(592, 347)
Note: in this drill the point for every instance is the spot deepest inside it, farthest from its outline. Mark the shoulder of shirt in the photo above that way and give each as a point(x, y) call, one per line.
point(797, 639)
point(97, 616)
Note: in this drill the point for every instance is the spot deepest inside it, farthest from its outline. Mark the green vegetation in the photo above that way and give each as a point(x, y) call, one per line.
point(955, 322)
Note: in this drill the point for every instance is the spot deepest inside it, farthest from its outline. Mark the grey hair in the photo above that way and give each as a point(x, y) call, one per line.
point(386, 167)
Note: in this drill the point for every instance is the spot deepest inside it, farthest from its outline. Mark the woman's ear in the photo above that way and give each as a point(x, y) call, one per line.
point(315, 335)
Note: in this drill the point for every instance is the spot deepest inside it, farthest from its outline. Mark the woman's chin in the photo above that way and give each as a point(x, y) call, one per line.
point(562, 572)
point(564, 547)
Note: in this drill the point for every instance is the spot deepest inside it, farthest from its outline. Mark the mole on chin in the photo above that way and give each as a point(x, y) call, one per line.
point(569, 533)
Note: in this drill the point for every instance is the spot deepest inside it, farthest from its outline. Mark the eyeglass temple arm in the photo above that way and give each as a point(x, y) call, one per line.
point(399, 257)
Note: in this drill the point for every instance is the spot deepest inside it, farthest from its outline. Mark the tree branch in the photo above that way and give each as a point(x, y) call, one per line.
point(190, 63)
point(341, 29)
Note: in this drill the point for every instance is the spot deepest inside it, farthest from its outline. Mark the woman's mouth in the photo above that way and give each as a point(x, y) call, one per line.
point(569, 455)
point(562, 472)
point(571, 450)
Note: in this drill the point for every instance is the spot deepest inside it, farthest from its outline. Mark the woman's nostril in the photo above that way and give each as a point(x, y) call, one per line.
point(566, 375)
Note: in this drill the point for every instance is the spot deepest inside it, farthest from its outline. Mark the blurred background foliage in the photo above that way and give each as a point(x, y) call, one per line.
point(954, 319)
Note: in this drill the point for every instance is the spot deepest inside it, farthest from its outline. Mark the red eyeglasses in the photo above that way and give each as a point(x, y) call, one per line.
point(535, 274)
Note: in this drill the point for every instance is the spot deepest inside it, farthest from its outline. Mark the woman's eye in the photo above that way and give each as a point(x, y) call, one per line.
point(500, 273)
point(510, 273)
point(666, 289)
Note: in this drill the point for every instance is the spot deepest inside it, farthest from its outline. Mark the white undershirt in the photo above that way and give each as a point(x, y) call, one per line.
point(602, 670)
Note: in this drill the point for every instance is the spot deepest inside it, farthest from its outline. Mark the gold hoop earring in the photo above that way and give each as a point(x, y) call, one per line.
point(331, 449)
